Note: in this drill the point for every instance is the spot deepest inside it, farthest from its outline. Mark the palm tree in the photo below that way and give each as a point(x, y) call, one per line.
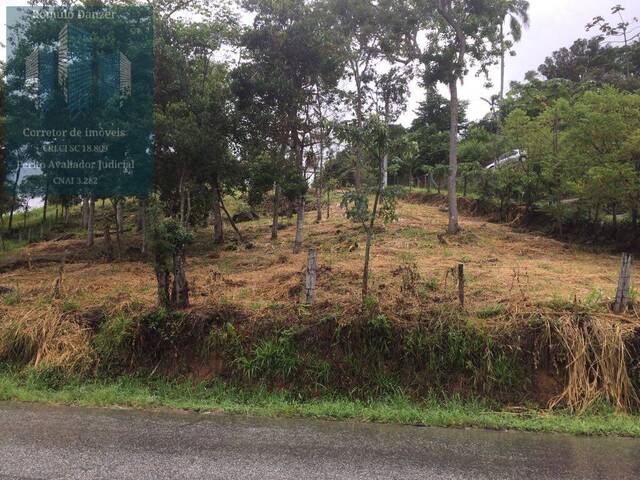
point(517, 15)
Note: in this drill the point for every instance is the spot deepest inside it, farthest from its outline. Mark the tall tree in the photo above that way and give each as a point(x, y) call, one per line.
point(373, 136)
point(463, 33)
point(290, 50)
point(358, 24)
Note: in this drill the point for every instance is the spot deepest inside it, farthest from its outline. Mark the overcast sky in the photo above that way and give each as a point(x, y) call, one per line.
point(554, 24)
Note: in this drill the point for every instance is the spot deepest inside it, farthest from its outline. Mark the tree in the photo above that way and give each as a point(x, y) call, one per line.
point(194, 119)
point(431, 127)
point(602, 135)
point(623, 33)
point(407, 154)
point(290, 51)
point(358, 24)
point(466, 32)
point(374, 137)
point(459, 34)
point(168, 240)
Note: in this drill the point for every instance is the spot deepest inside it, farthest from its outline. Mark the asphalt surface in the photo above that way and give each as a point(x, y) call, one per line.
point(45, 442)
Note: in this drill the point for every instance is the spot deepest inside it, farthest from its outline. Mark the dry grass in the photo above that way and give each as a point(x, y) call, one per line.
point(510, 277)
point(502, 266)
point(596, 363)
point(45, 335)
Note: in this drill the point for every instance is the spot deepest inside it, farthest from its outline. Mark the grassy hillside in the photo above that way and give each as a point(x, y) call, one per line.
point(536, 329)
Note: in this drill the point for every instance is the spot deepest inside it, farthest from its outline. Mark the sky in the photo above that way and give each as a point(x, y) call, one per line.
point(553, 24)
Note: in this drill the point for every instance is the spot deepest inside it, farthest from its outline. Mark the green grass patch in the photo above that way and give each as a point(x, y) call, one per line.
point(47, 387)
point(491, 310)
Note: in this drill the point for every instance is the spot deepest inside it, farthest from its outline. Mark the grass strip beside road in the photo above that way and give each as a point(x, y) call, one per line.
point(397, 408)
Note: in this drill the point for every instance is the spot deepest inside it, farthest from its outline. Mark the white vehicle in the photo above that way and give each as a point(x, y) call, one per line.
point(514, 155)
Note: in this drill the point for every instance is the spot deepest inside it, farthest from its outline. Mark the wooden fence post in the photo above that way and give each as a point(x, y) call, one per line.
point(461, 284)
point(310, 282)
point(57, 286)
point(624, 284)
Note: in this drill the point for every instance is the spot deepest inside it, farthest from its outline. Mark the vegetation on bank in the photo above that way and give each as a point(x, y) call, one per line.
point(518, 341)
point(215, 396)
point(153, 310)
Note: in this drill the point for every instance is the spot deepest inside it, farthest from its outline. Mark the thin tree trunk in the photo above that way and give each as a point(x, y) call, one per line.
point(310, 280)
point(180, 293)
point(143, 226)
point(297, 244)
point(318, 205)
point(320, 181)
point(120, 215)
point(182, 200)
point(328, 202)
point(453, 159)
point(44, 208)
point(188, 217)
point(276, 202)
point(367, 250)
point(385, 174)
point(357, 179)
point(162, 279)
point(502, 63)
point(91, 221)
point(218, 234)
point(365, 273)
point(230, 218)
point(108, 245)
point(14, 196)
point(84, 217)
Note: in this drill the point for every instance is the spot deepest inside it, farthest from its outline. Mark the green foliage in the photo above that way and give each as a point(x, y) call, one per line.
point(491, 310)
point(271, 359)
point(455, 348)
point(579, 155)
point(219, 396)
point(167, 239)
point(11, 298)
point(45, 377)
point(430, 284)
point(114, 341)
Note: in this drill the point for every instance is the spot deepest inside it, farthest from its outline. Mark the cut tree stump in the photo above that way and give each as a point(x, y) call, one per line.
point(624, 284)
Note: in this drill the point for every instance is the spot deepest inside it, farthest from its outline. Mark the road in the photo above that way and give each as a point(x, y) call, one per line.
point(46, 442)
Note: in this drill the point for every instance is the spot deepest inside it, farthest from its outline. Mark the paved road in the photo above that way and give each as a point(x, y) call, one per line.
point(44, 442)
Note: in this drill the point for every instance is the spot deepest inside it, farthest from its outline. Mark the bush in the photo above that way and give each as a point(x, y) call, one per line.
point(272, 359)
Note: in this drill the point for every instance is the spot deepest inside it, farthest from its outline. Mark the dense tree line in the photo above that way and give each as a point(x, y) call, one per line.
point(576, 123)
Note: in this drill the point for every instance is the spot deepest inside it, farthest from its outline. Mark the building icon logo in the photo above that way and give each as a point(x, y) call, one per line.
point(41, 69)
point(85, 78)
